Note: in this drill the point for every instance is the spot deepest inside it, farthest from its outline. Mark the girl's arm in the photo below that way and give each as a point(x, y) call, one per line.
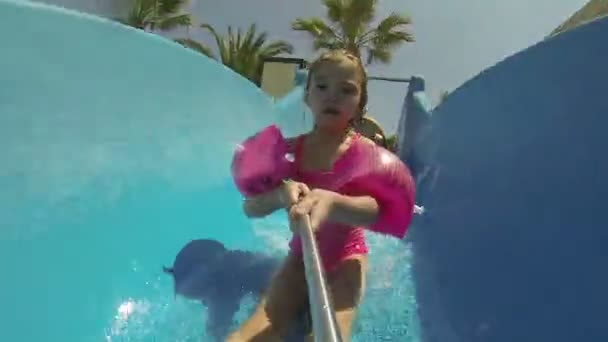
point(268, 202)
point(264, 204)
point(354, 211)
point(378, 215)
point(384, 203)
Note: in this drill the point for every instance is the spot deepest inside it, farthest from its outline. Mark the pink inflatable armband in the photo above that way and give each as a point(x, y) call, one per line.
point(259, 163)
point(374, 171)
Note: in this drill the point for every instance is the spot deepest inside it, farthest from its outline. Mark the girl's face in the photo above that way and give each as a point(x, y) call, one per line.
point(334, 94)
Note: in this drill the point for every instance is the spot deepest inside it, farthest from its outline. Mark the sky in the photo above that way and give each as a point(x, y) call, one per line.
point(455, 39)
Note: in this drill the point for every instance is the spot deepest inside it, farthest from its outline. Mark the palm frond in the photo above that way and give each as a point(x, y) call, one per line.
point(276, 48)
point(250, 47)
point(169, 23)
point(392, 39)
point(141, 14)
point(390, 28)
point(349, 27)
point(324, 36)
point(196, 46)
point(259, 41)
point(335, 10)
point(315, 26)
point(393, 22)
point(321, 44)
point(244, 51)
point(220, 41)
point(378, 54)
point(157, 14)
point(357, 17)
point(230, 47)
point(171, 7)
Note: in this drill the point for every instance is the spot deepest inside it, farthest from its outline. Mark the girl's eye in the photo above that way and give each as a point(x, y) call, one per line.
point(321, 86)
point(349, 90)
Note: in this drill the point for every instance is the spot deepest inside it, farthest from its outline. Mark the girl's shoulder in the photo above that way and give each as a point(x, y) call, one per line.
point(292, 142)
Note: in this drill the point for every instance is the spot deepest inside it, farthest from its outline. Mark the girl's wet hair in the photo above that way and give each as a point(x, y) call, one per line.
point(338, 56)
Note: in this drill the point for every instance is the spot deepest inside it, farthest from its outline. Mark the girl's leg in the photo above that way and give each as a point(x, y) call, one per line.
point(347, 286)
point(278, 309)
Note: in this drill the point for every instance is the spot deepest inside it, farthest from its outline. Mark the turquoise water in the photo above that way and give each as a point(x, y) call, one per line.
point(116, 147)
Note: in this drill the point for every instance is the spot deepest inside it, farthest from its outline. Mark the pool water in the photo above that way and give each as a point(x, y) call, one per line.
point(116, 148)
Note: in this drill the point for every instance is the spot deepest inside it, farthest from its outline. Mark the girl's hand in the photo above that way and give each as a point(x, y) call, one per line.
point(318, 204)
point(291, 192)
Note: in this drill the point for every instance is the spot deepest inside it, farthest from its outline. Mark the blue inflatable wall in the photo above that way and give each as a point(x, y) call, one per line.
point(513, 243)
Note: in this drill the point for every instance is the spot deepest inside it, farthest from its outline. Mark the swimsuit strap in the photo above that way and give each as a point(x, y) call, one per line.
point(298, 148)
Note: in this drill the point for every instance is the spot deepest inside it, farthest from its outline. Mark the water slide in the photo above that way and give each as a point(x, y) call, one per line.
point(512, 245)
point(116, 147)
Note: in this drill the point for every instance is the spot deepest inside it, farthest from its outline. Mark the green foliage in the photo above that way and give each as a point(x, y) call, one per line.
point(196, 46)
point(244, 51)
point(241, 51)
point(349, 27)
point(150, 15)
point(391, 142)
point(163, 15)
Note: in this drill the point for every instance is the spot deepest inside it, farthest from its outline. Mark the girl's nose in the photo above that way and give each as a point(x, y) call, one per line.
point(332, 96)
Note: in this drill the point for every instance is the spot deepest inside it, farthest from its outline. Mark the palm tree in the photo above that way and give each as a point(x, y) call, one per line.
point(196, 46)
point(150, 15)
point(391, 143)
point(242, 52)
point(350, 28)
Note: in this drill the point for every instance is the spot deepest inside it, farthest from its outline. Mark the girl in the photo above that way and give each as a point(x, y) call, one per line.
point(336, 93)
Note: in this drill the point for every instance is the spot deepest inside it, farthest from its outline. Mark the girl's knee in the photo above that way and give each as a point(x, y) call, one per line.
point(287, 293)
point(279, 307)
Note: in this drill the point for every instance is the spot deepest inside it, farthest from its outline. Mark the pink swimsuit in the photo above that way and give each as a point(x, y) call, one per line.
point(336, 242)
point(364, 169)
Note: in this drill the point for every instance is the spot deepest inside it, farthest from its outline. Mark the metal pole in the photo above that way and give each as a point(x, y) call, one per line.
point(324, 324)
point(389, 79)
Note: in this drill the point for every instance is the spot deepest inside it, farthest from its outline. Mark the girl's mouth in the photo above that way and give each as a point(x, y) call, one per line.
point(331, 111)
